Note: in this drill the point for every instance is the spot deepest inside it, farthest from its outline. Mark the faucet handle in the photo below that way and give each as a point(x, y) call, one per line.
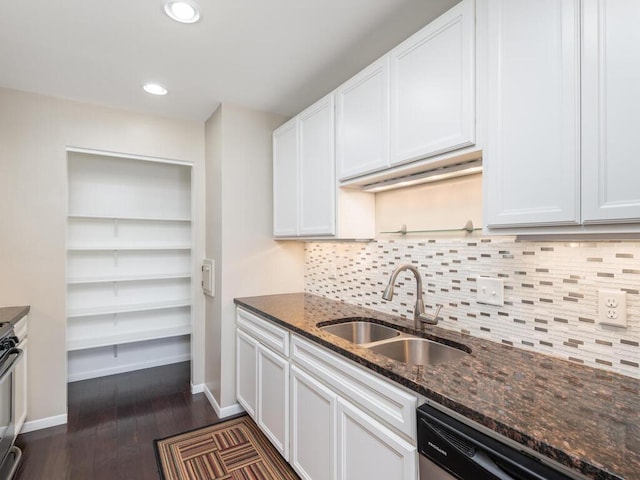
point(428, 318)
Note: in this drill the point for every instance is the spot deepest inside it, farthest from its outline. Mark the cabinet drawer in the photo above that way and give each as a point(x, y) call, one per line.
point(377, 396)
point(268, 334)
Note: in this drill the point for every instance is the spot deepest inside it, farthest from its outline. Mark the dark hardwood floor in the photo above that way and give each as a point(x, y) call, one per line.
point(112, 422)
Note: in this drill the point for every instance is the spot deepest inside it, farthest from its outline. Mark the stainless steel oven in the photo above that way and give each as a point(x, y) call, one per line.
point(9, 454)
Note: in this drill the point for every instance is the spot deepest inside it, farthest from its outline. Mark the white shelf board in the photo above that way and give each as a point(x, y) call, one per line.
point(129, 337)
point(135, 307)
point(126, 278)
point(124, 217)
point(86, 247)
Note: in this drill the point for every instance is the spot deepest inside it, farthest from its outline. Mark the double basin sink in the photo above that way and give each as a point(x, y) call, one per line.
point(394, 344)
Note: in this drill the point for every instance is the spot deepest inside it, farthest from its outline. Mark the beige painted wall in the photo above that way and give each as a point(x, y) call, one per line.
point(431, 206)
point(34, 132)
point(239, 233)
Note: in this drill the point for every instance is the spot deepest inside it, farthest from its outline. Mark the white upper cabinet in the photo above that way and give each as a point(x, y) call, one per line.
point(532, 152)
point(285, 180)
point(416, 102)
point(610, 104)
point(362, 122)
point(304, 186)
point(562, 96)
point(307, 202)
point(317, 172)
point(432, 87)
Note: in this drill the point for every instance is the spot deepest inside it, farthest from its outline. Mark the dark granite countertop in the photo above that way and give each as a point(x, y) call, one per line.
point(584, 418)
point(12, 314)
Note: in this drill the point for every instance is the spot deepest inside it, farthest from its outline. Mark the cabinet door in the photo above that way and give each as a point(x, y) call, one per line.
point(246, 366)
point(433, 87)
point(285, 180)
point(273, 399)
point(362, 122)
point(317, 170)
point(313, 428)
point(20, 386)
point(532, 156)
point(610, 100)
point(369, 451)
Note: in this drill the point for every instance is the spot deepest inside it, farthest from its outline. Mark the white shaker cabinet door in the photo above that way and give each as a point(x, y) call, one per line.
point(317, 169)
point(362, 122)
point(273, 399)
point(532, 156)
point(246, 367)
point(433, 87)
point(611, 101)
point(369, 451)
point(285, 180)
point(313, 427)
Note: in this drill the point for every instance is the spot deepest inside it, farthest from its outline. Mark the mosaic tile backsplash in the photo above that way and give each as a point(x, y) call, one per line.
point(550, 290)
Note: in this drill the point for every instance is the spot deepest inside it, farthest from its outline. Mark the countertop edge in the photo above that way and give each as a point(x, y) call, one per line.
point(14, 314)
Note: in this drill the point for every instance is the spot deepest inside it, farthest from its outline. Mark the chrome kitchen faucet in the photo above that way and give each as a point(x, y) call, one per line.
point(419, 316)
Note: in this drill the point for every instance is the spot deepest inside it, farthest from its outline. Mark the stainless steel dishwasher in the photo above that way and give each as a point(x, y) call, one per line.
point(452, 450)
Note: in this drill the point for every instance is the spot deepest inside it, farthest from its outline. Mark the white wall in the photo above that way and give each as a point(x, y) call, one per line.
point(239, 234)
point(34, 132)
point(431, 206)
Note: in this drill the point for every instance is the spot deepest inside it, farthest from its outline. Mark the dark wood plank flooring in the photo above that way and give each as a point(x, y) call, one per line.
point(112, 422)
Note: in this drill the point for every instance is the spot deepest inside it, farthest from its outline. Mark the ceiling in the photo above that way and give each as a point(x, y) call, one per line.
point(271, 55)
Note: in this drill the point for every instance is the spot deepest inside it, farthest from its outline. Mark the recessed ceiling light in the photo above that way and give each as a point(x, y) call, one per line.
point(154, 89)
point(184, 11)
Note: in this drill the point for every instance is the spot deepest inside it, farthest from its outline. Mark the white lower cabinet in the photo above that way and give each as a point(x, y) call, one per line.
point(347, 423)
point(262, 376)
point(328, 417)
point(369, 451)
point(273, 398)
point(313, 427)
point(246, 366)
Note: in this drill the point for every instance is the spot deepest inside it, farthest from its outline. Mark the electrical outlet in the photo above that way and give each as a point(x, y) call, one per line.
point(612, 308)
point(490, 291)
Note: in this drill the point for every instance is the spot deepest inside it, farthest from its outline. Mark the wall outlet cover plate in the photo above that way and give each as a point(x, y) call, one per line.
point(612, 308)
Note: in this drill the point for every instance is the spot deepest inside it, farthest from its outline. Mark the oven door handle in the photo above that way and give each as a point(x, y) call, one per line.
point(7, 369)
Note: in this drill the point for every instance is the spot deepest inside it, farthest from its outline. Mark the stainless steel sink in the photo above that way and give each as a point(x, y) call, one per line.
point(393, 343)
point(360, 332)
point(417, 351)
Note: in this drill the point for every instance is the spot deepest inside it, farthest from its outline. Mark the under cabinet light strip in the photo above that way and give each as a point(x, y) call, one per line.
point(436, 175)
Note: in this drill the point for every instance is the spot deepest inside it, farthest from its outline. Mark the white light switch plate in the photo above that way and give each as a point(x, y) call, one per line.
point(490, 291)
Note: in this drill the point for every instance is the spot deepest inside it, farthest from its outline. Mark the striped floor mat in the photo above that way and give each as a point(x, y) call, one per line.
point(232, 450)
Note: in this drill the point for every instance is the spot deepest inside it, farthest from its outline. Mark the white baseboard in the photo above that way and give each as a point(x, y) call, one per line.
point(199, 388)
point(222, 412)
point(34, 425)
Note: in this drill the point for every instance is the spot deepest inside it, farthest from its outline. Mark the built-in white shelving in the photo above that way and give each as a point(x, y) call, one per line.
point(141, 219)
point(129, 264)
point(126, 278)
point(127, 308)
point(127, 246)
point(128, 337)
